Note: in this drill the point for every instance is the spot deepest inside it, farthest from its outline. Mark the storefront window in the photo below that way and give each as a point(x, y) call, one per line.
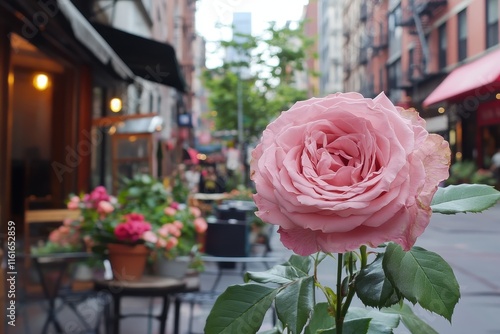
point(491, 23)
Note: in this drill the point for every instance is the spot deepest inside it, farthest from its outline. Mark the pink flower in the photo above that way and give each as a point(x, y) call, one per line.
point(134, 217)
point(150, 236)
point(171, 243)
point(133, 228)
point(178, 224)
point(97, 195)
point(105, 207)
point(343, 171)
point(169, 211)
point(55, 236)
point(68, 222)
point(174, 229)
point(161, 243)
point(164, 231)
point(200, 225)
point(72, 205)
point(195, 211)
point(174, 205)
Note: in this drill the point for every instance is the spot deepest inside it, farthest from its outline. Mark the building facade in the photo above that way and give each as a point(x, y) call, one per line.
point(61, 63)
point(311, 24)
point(331, 62)
point(439, 57)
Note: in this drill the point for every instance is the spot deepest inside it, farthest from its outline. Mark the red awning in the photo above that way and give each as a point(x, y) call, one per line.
point(463, 80)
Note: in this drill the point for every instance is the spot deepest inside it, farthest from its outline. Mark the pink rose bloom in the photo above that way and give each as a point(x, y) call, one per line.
point(64, 229)
point(164, 231)
point(161, 243)
point(105, 207)
point(200, 225)
point(343, 171)
point(174, 205)
point(174, 230)
point(169, 211)
point(178, 224)
point(195, 211)
point(68, 222)
point(134, 217)
point(97, 195)
point(132, 230)
point(55, 236)
point(171, 243)
point(150, 236)
point(72, 205)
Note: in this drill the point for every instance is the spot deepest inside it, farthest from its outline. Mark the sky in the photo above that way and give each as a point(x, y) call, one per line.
point(212, 13)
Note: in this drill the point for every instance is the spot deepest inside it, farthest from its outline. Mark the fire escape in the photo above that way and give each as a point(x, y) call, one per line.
point(416, 17)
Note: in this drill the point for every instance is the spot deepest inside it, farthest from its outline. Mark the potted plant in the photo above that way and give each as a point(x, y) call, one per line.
point(140, 222)
point(179, 239)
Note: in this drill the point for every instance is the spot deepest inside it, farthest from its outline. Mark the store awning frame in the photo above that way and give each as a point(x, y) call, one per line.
point(86, 34)
point(467, 80)
point(147, 58)
point(130, 56)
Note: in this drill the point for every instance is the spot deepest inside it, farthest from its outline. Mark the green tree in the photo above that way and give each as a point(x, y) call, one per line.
point(271, 62)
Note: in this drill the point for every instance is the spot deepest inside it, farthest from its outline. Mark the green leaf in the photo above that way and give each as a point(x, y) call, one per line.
point(414, 324)
point(301, 263)
point(279, 274)
point(353, 326)
point(424, 277)
point(295, 302)
point(464, 198)
point(240, 309)
point(296, 267)
point(321, 319)
point(381, 323)
point(373, 288)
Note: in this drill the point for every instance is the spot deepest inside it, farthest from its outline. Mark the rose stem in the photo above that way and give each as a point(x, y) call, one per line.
point(339, 321)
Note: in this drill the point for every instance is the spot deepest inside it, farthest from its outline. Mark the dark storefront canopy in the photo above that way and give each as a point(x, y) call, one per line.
point(149, 59)
point(467, 79)
point(128, 55)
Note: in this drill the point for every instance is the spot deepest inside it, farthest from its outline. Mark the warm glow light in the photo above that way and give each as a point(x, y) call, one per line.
point(132, 139)
point(112, 130)
point(441, 110)
point(201, 156)
point(10, 78)
point(458, 156)
point(497, 96)
point(453, 137)
point(41, 81)
point(115, 104)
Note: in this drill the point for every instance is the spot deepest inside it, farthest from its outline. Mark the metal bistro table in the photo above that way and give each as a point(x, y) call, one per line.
point(147, 286)
point(58, 263)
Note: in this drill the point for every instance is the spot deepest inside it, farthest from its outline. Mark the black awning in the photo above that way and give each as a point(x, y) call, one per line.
point(149, 59)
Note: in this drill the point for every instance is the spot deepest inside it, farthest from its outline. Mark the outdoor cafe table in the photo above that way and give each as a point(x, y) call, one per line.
point(58, 264)
point(147, 286)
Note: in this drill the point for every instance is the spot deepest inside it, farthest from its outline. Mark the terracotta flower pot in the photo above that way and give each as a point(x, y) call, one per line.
point(127, 262)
